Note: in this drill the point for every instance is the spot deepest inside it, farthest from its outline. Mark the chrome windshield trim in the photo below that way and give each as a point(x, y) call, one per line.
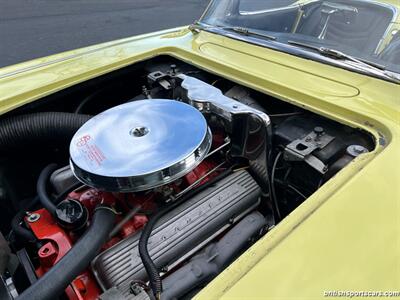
point(286, 48)
point(393, 8)
point(388, 75)
point(395, 12)
point(257, 12)
point(293, 5)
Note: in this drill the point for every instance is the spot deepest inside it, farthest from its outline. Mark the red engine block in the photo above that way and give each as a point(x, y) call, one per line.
point(57, 241)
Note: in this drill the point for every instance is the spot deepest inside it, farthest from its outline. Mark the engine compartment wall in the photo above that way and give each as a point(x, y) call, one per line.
point(104, 91)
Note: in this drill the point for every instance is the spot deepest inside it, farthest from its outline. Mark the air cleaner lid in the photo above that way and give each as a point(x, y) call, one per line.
point(139, 145)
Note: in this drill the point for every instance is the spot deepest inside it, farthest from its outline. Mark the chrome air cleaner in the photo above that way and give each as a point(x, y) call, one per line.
point(139, 145)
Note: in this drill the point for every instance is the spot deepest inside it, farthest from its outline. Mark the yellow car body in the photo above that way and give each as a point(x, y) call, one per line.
point(346, 236)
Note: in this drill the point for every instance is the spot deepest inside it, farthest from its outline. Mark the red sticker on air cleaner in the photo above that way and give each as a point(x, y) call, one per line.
point(83, 140)
point(90, 152)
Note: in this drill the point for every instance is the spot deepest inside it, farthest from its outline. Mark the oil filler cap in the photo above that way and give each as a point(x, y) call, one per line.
point(71, 214)
point(139, 145)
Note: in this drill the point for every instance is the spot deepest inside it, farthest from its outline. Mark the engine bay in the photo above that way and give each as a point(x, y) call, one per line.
point(148, 182)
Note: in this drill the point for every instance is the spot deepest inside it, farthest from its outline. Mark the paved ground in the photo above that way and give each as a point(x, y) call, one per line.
point(35, 28)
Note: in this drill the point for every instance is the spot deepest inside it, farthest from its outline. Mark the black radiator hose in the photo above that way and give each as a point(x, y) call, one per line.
point(54, 282)
point(44, 128)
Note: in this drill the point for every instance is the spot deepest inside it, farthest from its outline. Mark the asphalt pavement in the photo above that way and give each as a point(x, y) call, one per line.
point(35, 28)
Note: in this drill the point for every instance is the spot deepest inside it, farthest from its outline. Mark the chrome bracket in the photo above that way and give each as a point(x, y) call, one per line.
point(249, 129)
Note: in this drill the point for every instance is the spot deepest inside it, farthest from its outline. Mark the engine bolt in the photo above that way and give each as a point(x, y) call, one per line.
point(173, 68)
point(356, 150)
point(33, 217)
point(319, 130)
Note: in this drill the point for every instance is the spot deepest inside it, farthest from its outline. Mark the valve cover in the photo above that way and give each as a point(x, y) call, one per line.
point(181, 232)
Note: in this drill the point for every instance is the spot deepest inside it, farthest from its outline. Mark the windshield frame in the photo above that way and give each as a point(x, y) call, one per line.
point(387, 75)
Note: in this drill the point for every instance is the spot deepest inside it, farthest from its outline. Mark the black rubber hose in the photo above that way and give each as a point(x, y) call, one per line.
point(54, 282)
point(21, 232)
point(39, 129)
point(89, 98)
point(149, 265)
point(25, 234)
point(41, 188)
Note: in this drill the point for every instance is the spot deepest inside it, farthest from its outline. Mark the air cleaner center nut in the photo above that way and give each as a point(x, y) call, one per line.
point(139, 131)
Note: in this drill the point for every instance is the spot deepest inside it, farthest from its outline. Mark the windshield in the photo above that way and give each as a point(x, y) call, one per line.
point(361, 29)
